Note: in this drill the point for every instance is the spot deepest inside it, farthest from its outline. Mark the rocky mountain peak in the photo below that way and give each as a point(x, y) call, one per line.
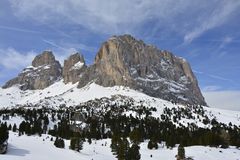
point(73, 67)
point(45, 70)
point(124, 60)
point(45, 58)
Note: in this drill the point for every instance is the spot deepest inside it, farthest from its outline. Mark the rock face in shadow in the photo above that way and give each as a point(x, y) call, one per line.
point(123, 60)
point(73, 67)
point(45, 70)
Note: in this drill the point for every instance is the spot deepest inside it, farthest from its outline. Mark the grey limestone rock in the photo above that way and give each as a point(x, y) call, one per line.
point(45, 70)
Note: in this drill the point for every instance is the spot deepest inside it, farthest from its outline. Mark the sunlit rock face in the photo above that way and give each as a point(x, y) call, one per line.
point(123, 60)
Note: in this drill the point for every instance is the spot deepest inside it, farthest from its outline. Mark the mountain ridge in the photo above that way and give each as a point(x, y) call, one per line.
point(123, 61)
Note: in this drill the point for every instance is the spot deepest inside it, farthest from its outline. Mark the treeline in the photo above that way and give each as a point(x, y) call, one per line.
point(125, 131)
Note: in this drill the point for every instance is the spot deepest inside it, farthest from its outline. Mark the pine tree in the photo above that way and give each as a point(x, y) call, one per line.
point(10, 127)
point(14, 129)
point(150, 145)
point(114, 144)
point(76, 144)
point(181, 153)
point(3, 133)
point(135, 136)
point(22, 128)
point(89, 140)
point(133, 153)
point(122, 148)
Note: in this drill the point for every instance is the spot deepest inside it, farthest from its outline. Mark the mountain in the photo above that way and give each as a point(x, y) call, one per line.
point(43, 72)
point(125, 61)
point(121, 61)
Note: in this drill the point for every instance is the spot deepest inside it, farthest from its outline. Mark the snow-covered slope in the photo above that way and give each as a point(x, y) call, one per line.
point(60, 93)
point(69, 95)
point(39, 148)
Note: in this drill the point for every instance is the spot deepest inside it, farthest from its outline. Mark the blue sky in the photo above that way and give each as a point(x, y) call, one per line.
point(206, 33)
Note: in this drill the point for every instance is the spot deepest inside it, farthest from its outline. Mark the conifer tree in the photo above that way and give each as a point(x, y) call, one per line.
point(76, 143)
point(3, 133)
point(181, 152)
point(133, 153)
point(14, 129)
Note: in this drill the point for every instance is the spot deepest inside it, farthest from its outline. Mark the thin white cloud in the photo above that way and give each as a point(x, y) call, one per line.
point(219, 77)
point(214, 76)
point(66, 49)
point(80, 46)
point(211, 88)
point(199, 72)
point(185, 17)
point(18, 29)
point(223, 99)
point(66, 46)
point(218, 17)
point(53, 44)
point(13, 60)
point(126, 16)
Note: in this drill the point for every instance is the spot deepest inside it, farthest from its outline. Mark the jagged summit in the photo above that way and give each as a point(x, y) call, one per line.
point(45, 70)
point(46, 58)
point(121, 60)
point(73, 67)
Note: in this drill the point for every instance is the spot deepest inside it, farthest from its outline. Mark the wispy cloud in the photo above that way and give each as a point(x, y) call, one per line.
point(189, 19)
point(211, 88)
point(52, 43)
point(214, 76)
point(19, 29)
point(185, 17)
point(219, 77)
point(198, 72)
point(13, 60)
point(65, 46)
point(218, 17)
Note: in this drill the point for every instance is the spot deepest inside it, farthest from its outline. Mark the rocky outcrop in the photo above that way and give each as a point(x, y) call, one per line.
point(73, 67)
point(45, 70)
point(123, 60)
point(46, 58)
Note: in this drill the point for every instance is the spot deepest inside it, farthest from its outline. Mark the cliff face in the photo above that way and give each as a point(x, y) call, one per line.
point(45, 70)
point(73, 67)
point(123, 60)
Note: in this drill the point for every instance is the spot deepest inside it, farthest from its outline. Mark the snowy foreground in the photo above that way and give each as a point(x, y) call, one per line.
point(41, 148)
